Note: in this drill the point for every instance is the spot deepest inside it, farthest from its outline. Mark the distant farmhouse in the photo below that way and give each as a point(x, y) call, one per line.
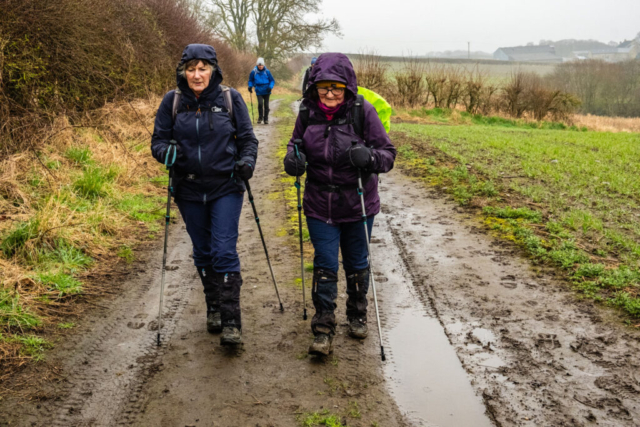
point(629, 49)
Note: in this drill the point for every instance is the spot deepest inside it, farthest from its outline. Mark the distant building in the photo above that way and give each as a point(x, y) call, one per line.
point(527, 54)
point(629, 49)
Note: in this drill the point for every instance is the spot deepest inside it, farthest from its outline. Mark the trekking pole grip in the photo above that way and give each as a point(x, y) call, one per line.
point(246, 181)
point(296, 144)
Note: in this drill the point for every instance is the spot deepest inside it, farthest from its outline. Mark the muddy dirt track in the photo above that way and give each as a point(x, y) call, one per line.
point(474, 337)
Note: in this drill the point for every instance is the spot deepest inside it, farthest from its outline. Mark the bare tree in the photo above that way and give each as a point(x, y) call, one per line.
point(230, 22)
point(281, 28)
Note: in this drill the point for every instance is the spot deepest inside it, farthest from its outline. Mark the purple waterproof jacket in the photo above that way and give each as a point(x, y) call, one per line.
point(326, 144)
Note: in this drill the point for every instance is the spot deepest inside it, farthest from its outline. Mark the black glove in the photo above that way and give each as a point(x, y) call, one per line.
point(360, 156)
point(243, 170)
point(250, 89)
point(293, 165)
point(168, 153)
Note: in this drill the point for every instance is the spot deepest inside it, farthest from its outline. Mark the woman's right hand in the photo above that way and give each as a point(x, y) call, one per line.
point(295, 165)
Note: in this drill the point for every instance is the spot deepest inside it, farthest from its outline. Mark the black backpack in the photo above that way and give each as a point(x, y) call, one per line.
point(357, 118)
point(226, 93)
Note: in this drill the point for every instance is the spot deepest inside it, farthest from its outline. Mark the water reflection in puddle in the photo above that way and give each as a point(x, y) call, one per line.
point(426, 377)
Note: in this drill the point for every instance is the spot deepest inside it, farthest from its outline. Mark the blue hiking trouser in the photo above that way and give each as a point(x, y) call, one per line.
point(328, 240)
point(213, 228)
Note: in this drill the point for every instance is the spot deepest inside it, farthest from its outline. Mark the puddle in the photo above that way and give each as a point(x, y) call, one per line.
point(424, 373)
point(484, 336)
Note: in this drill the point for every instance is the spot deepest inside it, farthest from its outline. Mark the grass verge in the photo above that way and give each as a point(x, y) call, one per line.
point(284, 130)
point(569, 199)
point(70, 209)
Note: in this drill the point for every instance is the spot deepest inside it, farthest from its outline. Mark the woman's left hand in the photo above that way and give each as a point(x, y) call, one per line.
point(244, 171)
point(360, 156)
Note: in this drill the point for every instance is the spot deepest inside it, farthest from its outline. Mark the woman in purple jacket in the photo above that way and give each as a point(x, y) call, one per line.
point(331, 200)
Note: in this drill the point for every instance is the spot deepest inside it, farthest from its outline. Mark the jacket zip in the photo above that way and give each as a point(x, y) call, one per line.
point(198, 113)
point(326, 156)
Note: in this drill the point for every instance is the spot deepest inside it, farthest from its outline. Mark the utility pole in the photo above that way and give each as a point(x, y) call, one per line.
point(469, 50)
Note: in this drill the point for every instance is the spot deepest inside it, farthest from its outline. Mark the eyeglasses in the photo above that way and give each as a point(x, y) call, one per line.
point(336, 91)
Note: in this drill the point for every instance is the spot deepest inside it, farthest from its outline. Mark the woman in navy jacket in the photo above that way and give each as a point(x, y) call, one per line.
point(209, 188)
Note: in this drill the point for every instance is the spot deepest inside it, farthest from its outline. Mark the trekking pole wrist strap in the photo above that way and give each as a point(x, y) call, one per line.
point(172, 150)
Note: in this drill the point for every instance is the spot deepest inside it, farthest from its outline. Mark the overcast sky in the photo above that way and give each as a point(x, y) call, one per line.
point(397, 27)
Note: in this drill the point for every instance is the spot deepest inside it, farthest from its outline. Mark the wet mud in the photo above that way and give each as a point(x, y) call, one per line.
point(474, 337)
point(532, 351)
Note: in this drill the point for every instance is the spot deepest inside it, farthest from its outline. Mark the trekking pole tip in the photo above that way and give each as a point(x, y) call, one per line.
point(382, 356)
point(304, 316)
point(281, 307)
point(158, 339)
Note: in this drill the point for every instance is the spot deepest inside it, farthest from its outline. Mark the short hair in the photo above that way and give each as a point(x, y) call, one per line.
point(193, 62)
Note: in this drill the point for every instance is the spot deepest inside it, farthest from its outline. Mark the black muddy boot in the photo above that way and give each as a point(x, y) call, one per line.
point(231, 336)
point(322, 345)
point(212, 298)
point(324, 292)
point(230, 284)
point(357, 288)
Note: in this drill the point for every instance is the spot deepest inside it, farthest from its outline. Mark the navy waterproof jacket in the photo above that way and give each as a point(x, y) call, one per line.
point(262, 81)
point(208, 141)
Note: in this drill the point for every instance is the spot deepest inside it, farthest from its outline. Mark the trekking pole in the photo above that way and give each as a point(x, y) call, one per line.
point(251, 97)
point(171, 150)
point(366, 234)
point(296, 145)
point(264, 245)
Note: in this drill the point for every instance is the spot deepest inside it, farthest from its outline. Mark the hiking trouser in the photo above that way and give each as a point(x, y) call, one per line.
point(328, 240)
point(263, 106)
point(213, 228)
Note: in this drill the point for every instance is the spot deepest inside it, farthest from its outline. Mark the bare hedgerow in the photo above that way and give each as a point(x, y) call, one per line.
point(489, 99)
point(371, 71)
point(410, 84)
point(453, 87)
point(473, 90)
point(516, 93)
point(436, 78)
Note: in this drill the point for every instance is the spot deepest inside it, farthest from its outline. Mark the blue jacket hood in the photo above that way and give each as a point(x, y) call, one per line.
point(206, 53)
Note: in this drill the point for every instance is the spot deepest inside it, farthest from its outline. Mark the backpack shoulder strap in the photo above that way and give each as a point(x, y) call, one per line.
point(358, 116)
point(177, 96)
point(303, 114)
point(226, 94)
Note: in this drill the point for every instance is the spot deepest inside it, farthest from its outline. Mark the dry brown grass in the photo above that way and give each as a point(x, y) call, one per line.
point(40, 187)
point(608, 124)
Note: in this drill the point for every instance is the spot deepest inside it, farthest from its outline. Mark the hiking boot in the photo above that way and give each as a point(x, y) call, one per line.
point(214, 322)
point(358, 328)
point(259, 121)
point(231, 336)
point(322, 345)
point(266, 121)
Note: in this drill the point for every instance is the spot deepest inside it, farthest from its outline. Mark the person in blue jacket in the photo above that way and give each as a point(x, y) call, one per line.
point(262, 80)
point(208, 182)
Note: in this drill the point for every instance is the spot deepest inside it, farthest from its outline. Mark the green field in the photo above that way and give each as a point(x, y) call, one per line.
point(571, 199)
